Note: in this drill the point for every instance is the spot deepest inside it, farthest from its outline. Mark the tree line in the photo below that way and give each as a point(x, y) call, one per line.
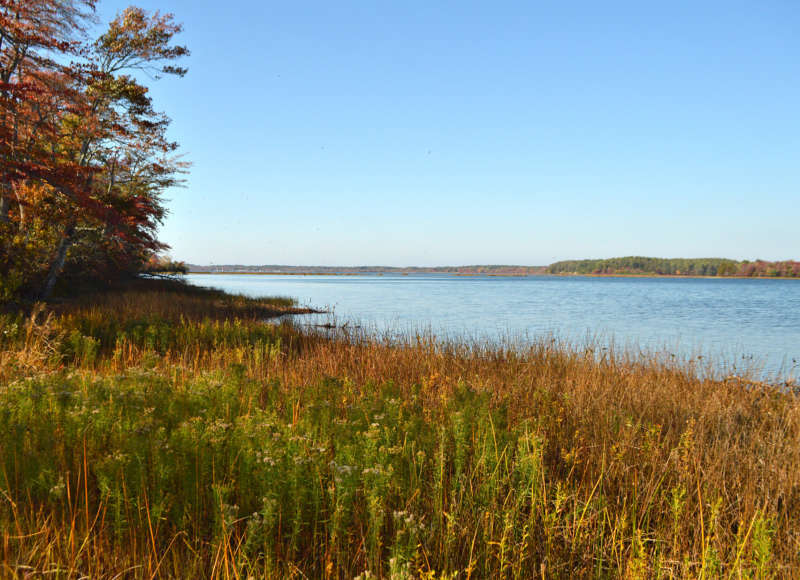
point(679, 267)
point(84, 155)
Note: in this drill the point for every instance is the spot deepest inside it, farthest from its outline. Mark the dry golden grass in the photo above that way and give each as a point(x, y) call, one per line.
point(641, 468)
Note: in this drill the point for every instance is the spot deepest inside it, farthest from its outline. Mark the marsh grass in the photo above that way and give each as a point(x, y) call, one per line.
point(168, 432)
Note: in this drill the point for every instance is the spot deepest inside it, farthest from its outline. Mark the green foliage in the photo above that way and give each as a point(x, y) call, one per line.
point(224, 457)
point(677, 267)
point(23, 258)
point(329, 474)
point(644, 265)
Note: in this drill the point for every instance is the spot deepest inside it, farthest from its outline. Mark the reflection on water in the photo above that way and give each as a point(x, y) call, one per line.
point(740, 324)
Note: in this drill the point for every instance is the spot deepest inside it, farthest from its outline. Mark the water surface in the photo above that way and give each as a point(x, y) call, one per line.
point(737, 323)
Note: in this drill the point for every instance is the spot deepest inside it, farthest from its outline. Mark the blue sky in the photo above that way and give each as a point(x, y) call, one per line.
point(428, 132)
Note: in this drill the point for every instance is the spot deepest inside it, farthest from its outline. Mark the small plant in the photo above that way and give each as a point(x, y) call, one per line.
point(761, 556)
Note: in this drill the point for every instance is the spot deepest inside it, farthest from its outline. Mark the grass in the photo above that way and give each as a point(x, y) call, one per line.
point(164, 431)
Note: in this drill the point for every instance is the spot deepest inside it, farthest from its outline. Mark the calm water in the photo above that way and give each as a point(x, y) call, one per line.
point(738, 324)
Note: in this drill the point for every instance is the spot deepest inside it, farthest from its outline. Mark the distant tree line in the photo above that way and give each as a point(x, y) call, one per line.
point(504, 270)
point(679, 267)
point(84, 156)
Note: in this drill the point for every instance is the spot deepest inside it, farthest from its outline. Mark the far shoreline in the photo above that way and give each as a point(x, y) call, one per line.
point(491, 275)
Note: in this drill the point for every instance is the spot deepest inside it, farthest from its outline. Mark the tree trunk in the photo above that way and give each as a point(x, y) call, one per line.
point(5, 207)
point(58, 263)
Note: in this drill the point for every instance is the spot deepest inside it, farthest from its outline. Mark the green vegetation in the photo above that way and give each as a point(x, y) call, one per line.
point(161, 265)
point(632, 265)
point(166, 431)
point(678, 267)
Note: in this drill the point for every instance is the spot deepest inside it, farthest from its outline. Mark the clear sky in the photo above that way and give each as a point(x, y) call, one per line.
point(426, 132)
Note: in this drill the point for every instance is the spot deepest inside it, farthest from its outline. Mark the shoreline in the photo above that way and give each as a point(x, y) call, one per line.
point(492, 275)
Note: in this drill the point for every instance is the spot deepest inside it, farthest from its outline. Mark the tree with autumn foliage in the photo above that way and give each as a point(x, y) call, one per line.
point(85, 157)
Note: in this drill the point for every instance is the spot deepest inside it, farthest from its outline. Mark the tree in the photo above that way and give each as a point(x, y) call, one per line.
point(82, 145)
point(33, 35)
point(120, 140)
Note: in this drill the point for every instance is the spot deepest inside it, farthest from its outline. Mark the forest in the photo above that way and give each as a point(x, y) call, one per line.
point(679, 267)
point(84, 154)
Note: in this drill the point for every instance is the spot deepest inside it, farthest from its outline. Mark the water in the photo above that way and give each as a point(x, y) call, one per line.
point(738, 324)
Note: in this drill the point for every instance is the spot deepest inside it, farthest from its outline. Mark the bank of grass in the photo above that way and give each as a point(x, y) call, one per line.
point(164, 431)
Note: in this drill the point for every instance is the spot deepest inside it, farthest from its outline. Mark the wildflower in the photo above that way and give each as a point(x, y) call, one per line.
point(340, 469)
point(58, 489)
point(377, 470)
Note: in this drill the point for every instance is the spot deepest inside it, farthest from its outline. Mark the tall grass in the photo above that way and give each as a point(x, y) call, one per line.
point(167, 433)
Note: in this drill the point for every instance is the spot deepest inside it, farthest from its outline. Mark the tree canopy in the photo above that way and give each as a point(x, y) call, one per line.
point(85, 156)
point(678, 267)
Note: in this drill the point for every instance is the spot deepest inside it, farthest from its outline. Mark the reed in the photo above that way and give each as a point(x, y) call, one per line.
point(167, 432)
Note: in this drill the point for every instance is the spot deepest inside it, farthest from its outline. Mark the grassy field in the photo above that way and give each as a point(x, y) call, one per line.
point(161, 431)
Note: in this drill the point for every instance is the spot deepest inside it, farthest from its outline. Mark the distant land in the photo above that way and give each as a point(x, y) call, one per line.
point(497, 270)
point(625, 266)
point(712, 267)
